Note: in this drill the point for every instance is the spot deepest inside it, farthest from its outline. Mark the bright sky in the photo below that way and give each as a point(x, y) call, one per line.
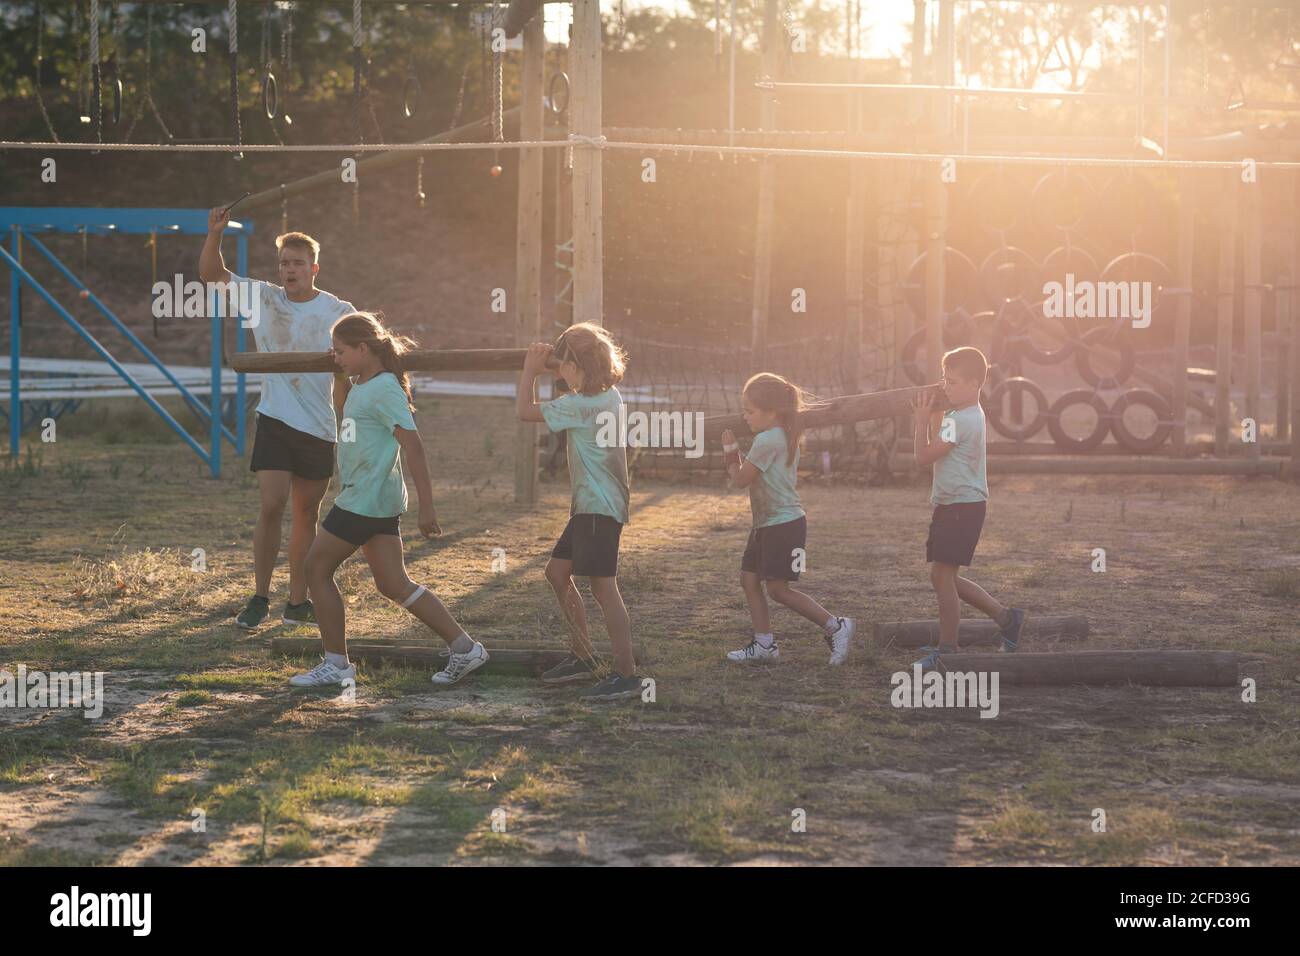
point(886, 24)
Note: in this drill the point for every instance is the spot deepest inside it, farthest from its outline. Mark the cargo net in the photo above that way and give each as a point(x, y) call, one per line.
point(679, 267)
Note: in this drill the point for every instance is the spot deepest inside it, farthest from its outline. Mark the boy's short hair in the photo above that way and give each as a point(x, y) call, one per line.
point(968, 362)
point(299, 239)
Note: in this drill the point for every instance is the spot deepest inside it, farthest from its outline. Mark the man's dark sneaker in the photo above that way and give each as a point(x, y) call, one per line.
point(613, 687)
point(302, 613)
point(1011, 633)
point(573, 668)
point(256, 611)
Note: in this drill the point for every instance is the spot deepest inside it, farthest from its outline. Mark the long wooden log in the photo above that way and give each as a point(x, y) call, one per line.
point(977, 631)
point(837, 411)
point(1163, 668)
point(416, 360)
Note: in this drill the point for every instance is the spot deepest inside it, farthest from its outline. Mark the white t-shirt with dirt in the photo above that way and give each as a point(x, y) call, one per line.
point(302, 400)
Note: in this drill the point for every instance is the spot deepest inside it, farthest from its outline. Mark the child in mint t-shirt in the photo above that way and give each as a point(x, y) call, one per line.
point(591, 362)
point(377, 426)
point(953, 441)
point(777, 547)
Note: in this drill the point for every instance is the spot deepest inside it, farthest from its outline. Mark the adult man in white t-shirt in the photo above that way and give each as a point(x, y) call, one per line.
point(293, 453)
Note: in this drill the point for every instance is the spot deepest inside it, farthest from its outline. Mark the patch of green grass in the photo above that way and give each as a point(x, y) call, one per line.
point(232, 680)
point(193, 698)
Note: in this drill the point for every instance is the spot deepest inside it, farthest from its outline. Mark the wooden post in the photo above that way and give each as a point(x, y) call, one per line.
point(1252, 301)
point(936, 229)
point(761, 300)
point(855, 229)
point(1284, 305)
point(528, 241)
point(1223, 340)
point(1183, 322)
point(1294, 299)
point(585, 113)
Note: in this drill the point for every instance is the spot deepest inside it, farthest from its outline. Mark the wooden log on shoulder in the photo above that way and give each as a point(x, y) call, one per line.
point(890, 403)
point(1159, 668)
point(416, 360)
point(977, 631)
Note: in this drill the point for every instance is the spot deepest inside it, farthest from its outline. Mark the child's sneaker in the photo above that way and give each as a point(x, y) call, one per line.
point(574, 668)
point(932, 656)
point(839, 640)
point(1011, 633)
point(324, 674)
point(254, 613)
point(613, 687)
point(753, 652)
point(302, 613)
point(460, 665)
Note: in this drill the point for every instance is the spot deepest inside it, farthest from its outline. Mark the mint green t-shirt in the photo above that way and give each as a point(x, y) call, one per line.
point(772, 497)
point(370, 466)
point(597, 474)
point(960, 476)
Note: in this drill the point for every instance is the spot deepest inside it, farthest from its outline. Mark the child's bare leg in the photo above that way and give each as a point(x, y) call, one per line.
point(324, 556)
point(617, 623)
point(384, 554)
point(978, 598)
point(944, 579)
point(798, 602)
point(560, 575)
point(757, 601)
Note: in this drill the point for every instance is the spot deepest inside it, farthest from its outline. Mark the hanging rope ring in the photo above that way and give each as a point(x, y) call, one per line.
point(270, 96)
point(411, 94)
point(557, 93)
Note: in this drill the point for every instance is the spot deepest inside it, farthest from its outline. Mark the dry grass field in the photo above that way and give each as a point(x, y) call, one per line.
point(96, 538)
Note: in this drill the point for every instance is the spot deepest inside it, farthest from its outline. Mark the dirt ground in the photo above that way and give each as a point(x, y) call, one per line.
point(204, 756)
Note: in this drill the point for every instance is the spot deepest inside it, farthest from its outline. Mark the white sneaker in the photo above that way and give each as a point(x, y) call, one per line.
point(324, 674)
point(754, 651)
point(840, 640)
point(459, 665)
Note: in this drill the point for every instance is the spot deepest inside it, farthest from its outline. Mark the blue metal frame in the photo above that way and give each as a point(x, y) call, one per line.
point(23, 222)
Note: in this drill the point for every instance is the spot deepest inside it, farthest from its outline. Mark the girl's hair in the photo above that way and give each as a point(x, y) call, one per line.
point(367, 328)
point(593, 350)
point(772, 393)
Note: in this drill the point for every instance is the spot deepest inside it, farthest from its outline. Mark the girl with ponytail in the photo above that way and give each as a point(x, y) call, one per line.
point(377, 425)
point(776, 545)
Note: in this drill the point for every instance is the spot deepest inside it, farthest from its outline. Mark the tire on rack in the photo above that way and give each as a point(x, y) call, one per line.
point(1104, 335)
point(993, 409)
point(1078, 396)
point(1153, 401)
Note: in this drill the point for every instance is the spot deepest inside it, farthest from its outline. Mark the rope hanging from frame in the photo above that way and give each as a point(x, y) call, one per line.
point(40, 100)
point(232, 10)
point(147, 99)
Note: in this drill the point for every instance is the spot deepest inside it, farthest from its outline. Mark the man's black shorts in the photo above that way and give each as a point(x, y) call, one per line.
point(358, 529)
point(278, 447)
point(770, 551)
point(954, 532)
point(591, 543)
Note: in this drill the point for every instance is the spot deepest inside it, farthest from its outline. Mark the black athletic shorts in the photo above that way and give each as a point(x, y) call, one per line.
point(954, 532)
point(591, 543)
point(278, 447)
point(769, 552)
point(358, 529)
